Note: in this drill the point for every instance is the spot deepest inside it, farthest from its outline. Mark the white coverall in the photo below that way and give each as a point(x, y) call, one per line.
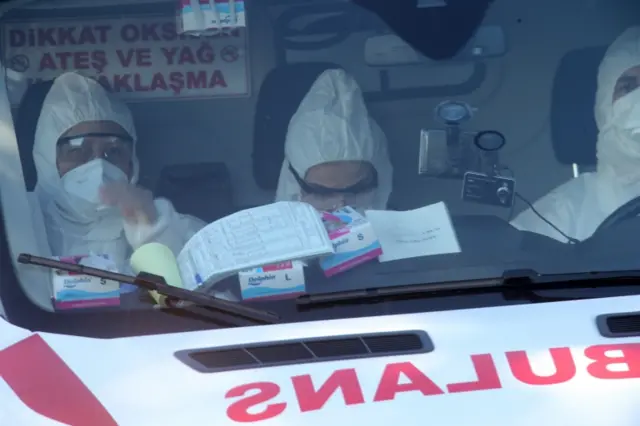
point(333, 124)
point(580, 205)
point(72, 230)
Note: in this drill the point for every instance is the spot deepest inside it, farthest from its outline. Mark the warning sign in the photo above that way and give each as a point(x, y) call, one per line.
point(140, 58)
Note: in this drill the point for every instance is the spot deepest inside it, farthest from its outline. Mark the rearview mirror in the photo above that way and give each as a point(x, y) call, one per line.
point(390, 50)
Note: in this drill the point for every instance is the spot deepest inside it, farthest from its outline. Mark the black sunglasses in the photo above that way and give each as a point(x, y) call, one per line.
point(365, 185)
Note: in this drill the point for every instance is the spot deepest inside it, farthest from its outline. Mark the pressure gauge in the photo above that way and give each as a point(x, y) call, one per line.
point(489, 140)
point(452, 112)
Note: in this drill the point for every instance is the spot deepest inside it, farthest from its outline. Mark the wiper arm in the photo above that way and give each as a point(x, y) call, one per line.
point(515, 284)
point(175, 297)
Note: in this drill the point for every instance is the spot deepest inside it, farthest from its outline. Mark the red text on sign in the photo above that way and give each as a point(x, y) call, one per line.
point(81, 35)
point(174, 82)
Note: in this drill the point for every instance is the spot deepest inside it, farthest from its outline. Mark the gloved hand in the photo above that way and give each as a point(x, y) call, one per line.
point(135, 203)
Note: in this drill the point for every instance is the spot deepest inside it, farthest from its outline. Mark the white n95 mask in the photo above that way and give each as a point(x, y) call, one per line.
point(84, 181)
point(619, 140)
point(626, 113)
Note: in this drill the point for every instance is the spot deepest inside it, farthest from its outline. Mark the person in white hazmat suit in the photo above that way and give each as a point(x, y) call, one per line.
point(84, 152)
point(335, 154)
point(579, 206)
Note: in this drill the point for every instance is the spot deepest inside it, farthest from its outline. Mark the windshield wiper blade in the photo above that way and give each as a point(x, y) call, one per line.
point(175, 297)
point(517, 284)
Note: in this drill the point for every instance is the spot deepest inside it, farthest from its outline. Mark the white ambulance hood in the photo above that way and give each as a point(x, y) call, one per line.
point(543, 364)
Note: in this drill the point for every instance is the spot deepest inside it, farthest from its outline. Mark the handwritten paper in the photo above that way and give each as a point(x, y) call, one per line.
point(259, 236)
point(426, 231)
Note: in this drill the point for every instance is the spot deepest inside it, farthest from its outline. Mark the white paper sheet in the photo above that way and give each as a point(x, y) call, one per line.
point(259, 236)
point(426, 231)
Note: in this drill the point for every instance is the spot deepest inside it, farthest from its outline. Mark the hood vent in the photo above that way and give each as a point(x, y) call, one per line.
point(619, 325)
point(270, 354)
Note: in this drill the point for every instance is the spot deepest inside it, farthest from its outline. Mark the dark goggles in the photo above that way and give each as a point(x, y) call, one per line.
point(365, 185)
point(77, 140)
point(81, 148)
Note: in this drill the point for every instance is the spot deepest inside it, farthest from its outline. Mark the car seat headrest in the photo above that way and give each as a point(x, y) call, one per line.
point(203, 190)
point(573, 127)
point(280, 95)
point(27, 118)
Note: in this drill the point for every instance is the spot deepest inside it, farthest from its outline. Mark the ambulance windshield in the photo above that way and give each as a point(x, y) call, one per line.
point(263, 150)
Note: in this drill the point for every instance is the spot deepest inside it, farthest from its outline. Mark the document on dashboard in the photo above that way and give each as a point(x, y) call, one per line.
point(426, 231)
point(251, 238)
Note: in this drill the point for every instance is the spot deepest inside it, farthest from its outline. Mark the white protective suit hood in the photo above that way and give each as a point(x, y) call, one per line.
point(333, 124)
point(580, 205)
point(74, 99)
point(618, 150)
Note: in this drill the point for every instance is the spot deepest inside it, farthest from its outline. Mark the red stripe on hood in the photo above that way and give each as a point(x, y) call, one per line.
point(42, 380)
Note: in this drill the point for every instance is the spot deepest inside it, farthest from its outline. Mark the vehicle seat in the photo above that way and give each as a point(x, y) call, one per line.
point(280, 95)
point(573, 127)
point(25, 126)
point(203, 190)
